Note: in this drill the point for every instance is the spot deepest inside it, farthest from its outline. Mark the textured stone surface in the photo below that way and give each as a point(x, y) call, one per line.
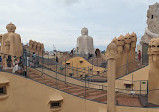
point(125, 53)
point(153, 77)
point(112, 56)
point(84, 43)
point(152, 31)
point(11, 42)
point(36, 47)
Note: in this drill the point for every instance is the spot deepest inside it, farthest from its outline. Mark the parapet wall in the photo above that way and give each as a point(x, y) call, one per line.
point(29, 96)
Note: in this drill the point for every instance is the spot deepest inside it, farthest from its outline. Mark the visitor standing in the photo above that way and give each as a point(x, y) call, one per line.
point(0, 59)
point(1, 63)
point(9, 61)
point(57, 59)
point(139, 56)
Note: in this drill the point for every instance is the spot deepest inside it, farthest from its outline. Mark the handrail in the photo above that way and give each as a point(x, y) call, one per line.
point(102, 86)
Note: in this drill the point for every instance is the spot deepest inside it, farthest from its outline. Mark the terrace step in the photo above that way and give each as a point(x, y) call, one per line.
point(94, 93)
point(98, 97)
point(82, 93)
point(76, 90)
point(66, 88)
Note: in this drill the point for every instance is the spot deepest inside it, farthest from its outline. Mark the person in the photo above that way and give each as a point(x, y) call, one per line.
point(15, 61)
point(57, 59)
point(96, 53)
point(34, 55)
point(89, 56)
point(0, 59)
point(16, 68)
point(33, 63)
point(81, 75)
point(9, 61)
point(1, 66)
point(139, 55)
point(72, 51)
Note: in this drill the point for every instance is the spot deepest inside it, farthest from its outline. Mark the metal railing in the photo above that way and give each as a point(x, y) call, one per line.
point(38, 66)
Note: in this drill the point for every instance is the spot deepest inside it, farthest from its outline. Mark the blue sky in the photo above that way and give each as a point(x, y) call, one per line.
point(59, 22)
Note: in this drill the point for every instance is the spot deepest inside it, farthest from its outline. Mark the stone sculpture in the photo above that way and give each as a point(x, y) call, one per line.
point(31, 45)
point(36, 47)
point(153, 23)
point(125, 53)
point(112, 56)
point(152, 30)
point(11, 43)
point(153, 78)
point(85, 43)
point(41, 49)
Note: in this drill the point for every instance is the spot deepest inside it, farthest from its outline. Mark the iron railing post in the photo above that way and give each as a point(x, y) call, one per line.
point(65, 70)
point(26, 64)
point(42, 61)
point(140, 87)
point(56, 75)
point(147, 87)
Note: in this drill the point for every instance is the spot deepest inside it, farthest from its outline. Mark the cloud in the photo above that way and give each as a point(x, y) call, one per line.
point(59, 22)
point(70, 2)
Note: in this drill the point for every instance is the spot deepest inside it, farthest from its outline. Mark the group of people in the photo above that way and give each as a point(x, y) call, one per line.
point(32, 60)
point(15, 63)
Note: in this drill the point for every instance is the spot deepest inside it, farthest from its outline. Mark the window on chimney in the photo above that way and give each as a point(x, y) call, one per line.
point(56, 104)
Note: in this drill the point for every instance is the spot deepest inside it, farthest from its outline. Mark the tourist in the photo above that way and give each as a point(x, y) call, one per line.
point(9, 61)
point(81, 75)
point(72, 52)
point(34, 55)
point(1, 66)
point(16, 68)
point(139, 55)
point(33, 63)
point(96, 53)
point(15, 61)
point(0, 59)
point(90, 56)
point(57, 59)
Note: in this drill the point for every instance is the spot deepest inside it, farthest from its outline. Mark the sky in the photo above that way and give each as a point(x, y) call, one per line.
point(59, 22)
